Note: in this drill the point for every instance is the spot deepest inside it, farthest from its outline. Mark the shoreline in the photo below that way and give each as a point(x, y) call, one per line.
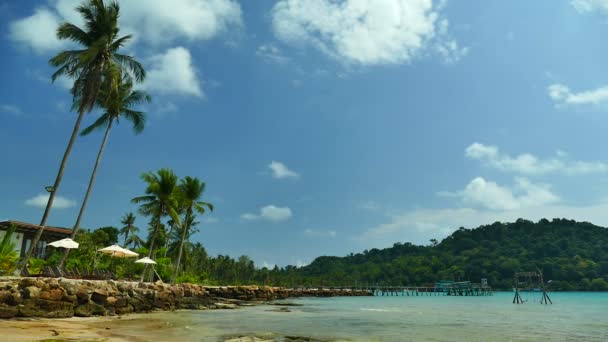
point(64, 298)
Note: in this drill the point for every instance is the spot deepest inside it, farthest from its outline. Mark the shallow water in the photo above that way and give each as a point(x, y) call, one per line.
point(572, 317)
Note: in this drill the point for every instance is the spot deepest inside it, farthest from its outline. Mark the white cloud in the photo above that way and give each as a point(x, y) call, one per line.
point(529, 164)
point(167, 21)
point(281, 171)
point(269, 213)
point(562, 95)
point(155, 21)
point(366, 32)
point(41, 200)
point(38, 31)
point(173, 73)
point(166, 108)
point(420, 225)
point(11, 109)
point(590, 6)
point(495, 197)
point(320, 233)
point(271, 53)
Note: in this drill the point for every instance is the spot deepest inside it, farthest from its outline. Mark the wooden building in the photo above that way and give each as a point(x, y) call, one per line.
point(25, 233)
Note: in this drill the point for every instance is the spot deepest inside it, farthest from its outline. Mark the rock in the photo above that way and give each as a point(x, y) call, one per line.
point(99, 296)
point(53, 294)
point(225, 306)
point(31, 292)
point(124, 310)
point(8, 311)
point(5, 296)
point(111, 301)
point(89, 309)
point(45, 308)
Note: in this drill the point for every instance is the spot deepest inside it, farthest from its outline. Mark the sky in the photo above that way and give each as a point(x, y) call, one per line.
point(324, 127)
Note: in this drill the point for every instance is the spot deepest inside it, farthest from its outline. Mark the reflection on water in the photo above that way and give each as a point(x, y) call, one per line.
point(574, 316)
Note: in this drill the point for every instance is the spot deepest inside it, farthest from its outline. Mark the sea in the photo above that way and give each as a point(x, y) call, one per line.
point(573, 316)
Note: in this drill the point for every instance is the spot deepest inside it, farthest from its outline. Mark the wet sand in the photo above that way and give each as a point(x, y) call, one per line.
point(82, 329)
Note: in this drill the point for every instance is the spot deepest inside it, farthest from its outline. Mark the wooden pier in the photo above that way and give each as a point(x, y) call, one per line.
point(444, 288)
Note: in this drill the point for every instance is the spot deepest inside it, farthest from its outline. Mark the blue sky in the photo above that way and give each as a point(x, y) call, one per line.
point(326, 127)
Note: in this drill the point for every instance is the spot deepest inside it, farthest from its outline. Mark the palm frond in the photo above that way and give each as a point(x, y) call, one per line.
point(102, 122)
point(73, 33)
point(131, 65)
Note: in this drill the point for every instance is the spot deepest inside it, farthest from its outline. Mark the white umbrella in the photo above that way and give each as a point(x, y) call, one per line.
point(117, 251)
point(145, 260)
point(64, 243)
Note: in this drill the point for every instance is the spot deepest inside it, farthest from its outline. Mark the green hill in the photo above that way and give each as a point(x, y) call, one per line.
point(572, 254)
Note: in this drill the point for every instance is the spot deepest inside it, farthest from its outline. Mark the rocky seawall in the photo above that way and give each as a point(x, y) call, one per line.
point(61, 297)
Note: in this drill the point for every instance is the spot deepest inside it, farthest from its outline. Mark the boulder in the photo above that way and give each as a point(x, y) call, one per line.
point(89, 309)
point(45, 308)
point(99, 296)
point(52, 294)
point(8, 311)
point(31, 292)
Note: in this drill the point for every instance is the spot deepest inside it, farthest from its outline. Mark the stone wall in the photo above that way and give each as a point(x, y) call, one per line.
point(61, 297)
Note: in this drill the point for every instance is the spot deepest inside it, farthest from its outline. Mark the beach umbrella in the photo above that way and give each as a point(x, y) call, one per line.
point(64, 243)
point(117, 251)
point(145, 260)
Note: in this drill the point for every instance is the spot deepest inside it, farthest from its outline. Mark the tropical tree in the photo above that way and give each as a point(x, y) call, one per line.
point(134, 240)
point(87, 66)
point(129, 228)
point(190, 191)
point(159, 201)
point(8, 255)
point(116, 97)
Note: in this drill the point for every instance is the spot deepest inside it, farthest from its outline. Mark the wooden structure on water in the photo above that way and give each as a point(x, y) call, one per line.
point(442, 288)
point(531, 282)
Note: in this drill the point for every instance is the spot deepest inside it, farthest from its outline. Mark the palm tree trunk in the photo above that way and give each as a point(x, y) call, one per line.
point(156, 228)
point(181, 244)
point(88, 193)
point(126, 237)
point(58, 179)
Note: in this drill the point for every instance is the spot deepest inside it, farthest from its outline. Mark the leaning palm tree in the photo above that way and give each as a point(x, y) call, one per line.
point(160, 200)
point(116, 97)
point(190, 192)
point(87, 67)
point(129, 228)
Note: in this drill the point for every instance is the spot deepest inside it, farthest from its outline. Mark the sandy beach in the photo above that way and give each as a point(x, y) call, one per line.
point(81, 329)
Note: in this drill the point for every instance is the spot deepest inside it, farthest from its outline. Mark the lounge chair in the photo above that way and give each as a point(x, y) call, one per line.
point(47, 271)
point(57, 271)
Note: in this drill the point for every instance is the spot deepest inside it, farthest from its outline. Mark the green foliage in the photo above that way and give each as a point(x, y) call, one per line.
point(8, 256)
point(36, 265)
point(570, 253)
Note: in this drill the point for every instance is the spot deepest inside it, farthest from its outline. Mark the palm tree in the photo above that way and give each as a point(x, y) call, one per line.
point(87, 67)
point(116, 97)
point(159, 201)
point(190, 191)
point(134, 240)
point(129, 228)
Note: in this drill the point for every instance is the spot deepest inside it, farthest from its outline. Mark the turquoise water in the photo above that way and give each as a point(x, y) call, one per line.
point(572, 317)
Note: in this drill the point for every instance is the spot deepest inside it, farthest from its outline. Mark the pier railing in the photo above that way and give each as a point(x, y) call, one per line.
point(456, 289)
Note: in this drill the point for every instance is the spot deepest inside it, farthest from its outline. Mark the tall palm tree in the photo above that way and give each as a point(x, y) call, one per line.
point(87, 67)
point(190, 192)
point(116, 97)
point(160, 200)
point(134, 240)
point(129, 228)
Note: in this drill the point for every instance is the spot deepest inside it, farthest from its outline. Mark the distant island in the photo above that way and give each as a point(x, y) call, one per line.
point(573, 255)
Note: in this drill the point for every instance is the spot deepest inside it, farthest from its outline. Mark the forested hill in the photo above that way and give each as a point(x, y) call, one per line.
point(572, 254)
